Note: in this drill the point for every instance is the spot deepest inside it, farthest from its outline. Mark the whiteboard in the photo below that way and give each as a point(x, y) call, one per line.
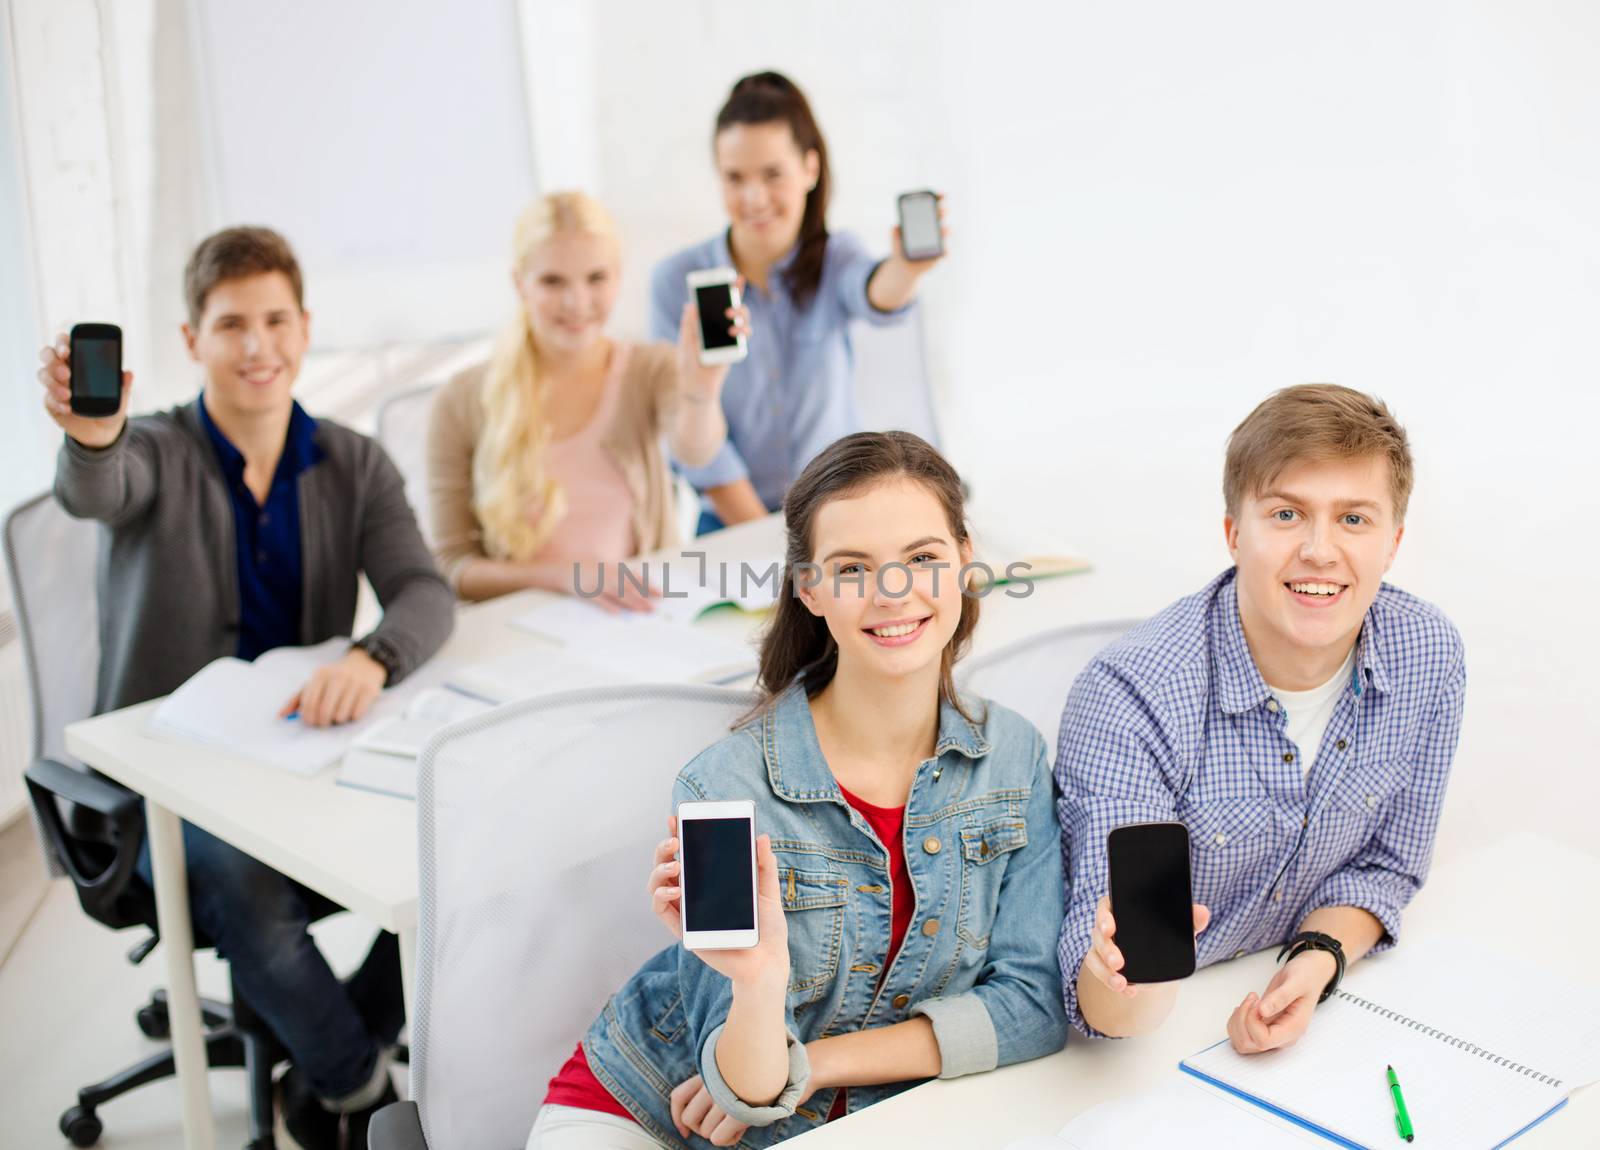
point(389, 142)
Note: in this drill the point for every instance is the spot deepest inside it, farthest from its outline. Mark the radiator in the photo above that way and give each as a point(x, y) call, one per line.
point(16, 721)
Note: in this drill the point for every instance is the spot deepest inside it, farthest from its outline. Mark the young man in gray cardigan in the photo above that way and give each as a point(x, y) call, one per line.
point(234, 524)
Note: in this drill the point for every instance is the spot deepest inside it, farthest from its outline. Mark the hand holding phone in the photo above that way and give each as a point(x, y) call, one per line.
point(1145, 929)
point(705, 886)
point(921, 233)
point(715, 292)
point(86, 389)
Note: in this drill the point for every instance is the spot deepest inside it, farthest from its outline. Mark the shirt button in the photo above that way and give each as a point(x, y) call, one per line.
point(901, 1001)
point(932, 845)
point(1341, 744)
point(1221, 839)
point(1372, 801)
point(931, 927)
point(264, 518)
point(1277, 895)
point(261, 556)
point(1238, 954)
point(1288, 756)
point(1272, 705)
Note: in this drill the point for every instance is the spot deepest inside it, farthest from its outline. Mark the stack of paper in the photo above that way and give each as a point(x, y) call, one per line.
point(638, 647)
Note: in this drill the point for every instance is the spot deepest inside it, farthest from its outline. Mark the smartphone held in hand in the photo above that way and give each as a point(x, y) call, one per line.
point(715, 291)
point(921, 234)
point(96, 362)
point(717, 850)
point(1151, 900)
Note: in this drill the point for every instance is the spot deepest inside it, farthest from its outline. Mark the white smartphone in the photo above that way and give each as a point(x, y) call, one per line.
point(717, 847)
point(715, 290)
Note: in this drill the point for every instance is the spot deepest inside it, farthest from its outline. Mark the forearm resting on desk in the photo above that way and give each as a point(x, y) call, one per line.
point(1357, 930)
point(903, 1052)
point(736, 502)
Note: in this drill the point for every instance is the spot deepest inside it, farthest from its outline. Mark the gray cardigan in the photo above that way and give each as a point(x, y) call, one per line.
point(167, 579)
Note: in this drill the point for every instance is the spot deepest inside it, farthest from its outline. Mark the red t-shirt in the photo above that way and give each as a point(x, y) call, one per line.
point(887, 823)
point(575, 1084)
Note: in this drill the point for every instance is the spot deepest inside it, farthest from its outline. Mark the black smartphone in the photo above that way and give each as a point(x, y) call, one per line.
point(1151, 900)
point(921, 237)
point(96, 351)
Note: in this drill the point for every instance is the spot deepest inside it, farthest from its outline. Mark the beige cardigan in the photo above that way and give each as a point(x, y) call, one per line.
point(649, 396)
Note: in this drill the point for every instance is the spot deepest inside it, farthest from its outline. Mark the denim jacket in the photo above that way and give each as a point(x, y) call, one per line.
point(978, 960)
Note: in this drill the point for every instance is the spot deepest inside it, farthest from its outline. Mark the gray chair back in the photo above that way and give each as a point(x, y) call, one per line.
point(1033, 675)
point(536, 824)
point(403, 433)
point(893, 389)
point(51, 560)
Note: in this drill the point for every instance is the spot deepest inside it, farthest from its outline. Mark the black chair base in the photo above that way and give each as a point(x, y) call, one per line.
point(236, 1039)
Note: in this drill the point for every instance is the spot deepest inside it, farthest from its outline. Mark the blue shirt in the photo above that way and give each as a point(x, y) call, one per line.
point(267, 537)
point(984, 863)
point(1173, 721)
point(795, 392)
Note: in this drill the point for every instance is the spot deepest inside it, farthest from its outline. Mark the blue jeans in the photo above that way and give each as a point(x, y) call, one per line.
point(257, 919)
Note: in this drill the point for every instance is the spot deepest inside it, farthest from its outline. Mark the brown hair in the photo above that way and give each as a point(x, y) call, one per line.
point(796, 643)
point(772, 98)
point(235, 253)
point(1314, 421)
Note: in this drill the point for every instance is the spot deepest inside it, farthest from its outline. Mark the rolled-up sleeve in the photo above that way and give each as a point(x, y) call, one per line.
point(850, 268)
point(1109, 768)
point(737, 1108)
point(1015, 1010)
point(1393, 864)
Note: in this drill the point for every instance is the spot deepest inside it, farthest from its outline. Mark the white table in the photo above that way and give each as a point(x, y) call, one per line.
point(359, 848)
point(1538, 880)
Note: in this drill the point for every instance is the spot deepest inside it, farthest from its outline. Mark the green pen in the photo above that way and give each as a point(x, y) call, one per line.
point(1402, 1120)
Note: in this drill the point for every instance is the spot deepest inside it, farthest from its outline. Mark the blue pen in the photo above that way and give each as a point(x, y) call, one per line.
point(291, 716)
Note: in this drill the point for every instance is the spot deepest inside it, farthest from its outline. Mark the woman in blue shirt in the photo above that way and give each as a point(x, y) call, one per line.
point(794, 394)
point(909, 871)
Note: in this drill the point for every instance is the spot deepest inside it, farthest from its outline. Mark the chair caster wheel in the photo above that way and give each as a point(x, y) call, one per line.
point(154, 1021)
point(81, 1127)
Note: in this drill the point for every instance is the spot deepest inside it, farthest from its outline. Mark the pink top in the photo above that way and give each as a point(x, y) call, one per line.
point(599, 519)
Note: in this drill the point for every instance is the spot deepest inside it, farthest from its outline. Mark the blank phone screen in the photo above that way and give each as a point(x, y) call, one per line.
point(1150, 901)
point(919, 227)
point(97, 367)
point(716, 875)
point(713, 301)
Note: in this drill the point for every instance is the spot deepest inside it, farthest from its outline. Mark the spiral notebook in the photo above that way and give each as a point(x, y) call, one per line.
point(1476, 1070)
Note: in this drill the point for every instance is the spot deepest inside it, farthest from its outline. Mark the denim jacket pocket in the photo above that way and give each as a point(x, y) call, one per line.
point(814, 905)
point(983, 849)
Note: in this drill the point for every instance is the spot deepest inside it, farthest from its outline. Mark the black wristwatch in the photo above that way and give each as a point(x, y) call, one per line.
point(382, 654)
point(1316, 940)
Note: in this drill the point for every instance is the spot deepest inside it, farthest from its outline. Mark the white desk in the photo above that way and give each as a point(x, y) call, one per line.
point(360, 849)
point(1539, 881)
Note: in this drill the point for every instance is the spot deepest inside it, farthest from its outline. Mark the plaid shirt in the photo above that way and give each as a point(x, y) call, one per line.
point(1173, 721)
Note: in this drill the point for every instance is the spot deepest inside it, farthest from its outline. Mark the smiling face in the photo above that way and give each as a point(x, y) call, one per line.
point(568, 286)
point(250, 338)
point(765, 178)
point(1312, 551)
point(892, 623)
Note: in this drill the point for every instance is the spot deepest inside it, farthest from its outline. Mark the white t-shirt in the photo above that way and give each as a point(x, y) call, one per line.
point(1308, 712)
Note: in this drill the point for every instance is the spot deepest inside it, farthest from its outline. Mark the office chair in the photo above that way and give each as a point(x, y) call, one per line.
point(403, 433)
point(91, 828)
point(1033, 675)
point(536, 824)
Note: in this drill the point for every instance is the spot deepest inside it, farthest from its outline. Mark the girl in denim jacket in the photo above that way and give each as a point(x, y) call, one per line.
point(909, 873)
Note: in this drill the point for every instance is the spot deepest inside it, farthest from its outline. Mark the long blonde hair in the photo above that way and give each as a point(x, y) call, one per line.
point(517, 503)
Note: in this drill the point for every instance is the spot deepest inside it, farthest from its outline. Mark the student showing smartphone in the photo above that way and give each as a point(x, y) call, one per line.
point(908, 880)
point(794, 393)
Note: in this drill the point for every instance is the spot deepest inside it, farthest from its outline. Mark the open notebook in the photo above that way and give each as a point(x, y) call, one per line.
point(1479, 1064)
